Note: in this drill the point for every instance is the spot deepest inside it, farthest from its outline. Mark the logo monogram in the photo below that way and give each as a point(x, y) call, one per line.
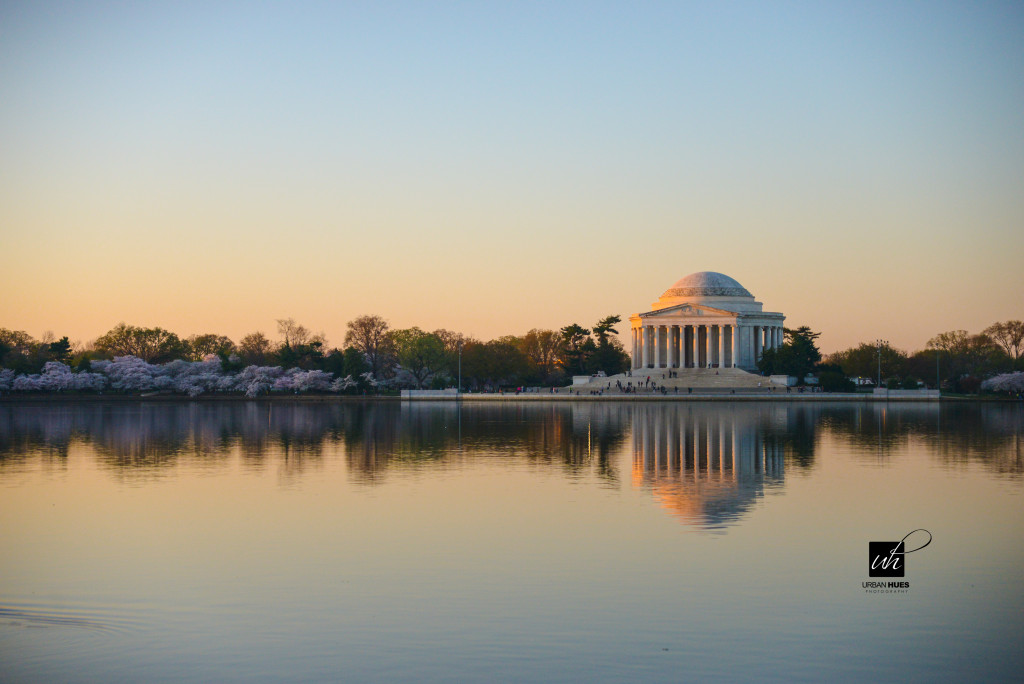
point(888, 558)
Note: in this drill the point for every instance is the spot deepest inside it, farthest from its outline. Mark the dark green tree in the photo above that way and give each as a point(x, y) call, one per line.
point(308, 356)
point(831, 378)
point(797, 356)
point(574, 349)
point(59, 350)
point(608, 355)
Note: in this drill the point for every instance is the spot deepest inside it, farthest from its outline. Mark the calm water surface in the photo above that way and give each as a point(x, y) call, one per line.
point(549, 542)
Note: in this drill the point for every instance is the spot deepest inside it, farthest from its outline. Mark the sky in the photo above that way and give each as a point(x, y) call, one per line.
point(495, 167)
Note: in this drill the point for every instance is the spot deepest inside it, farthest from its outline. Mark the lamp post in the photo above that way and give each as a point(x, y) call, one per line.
point(459, 391)
point(879, 344)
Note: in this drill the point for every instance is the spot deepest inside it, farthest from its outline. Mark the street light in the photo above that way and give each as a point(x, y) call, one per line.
point(880, 344)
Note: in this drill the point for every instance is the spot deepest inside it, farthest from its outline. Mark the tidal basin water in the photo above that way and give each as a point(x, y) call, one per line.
point(156, 542)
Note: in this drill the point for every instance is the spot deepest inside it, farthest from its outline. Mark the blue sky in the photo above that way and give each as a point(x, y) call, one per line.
point(493, 167)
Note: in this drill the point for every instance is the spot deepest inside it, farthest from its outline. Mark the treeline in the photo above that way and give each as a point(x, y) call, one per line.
point(957, 360)
point(960, 361)
point(374, 358)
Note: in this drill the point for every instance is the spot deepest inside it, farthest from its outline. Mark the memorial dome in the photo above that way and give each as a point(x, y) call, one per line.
point(706, 284)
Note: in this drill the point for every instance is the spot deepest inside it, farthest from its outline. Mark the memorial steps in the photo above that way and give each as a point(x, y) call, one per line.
point(683, 378)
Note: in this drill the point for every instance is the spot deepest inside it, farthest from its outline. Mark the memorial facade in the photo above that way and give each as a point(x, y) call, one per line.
point(705, 320)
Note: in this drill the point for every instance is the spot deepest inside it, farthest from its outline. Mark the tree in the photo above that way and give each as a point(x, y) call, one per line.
point(149, 344)
point(59, 350)
point(453, 342)
point(921, 364)
point(862, 361)
point(348, 365)
point(421, 355)
point(201, 346)
point(605, 327)
point(369, 334)
point(294, 334)
point(543, 348)
point(574, 338)
point(18, 340)
point(965, 357)
point(1006, 382)
point(309, 355)
point(1009, 336)
point(832, 378)
point(355, 362)
point(16, 350)
point(254, 349)
point(498, 363)
point(797, 356)
point(609, 355)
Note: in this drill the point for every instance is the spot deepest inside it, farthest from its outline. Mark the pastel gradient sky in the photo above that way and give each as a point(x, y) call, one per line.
point(493, 167)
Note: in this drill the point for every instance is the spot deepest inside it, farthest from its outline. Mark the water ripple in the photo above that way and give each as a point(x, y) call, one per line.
point(39, 616)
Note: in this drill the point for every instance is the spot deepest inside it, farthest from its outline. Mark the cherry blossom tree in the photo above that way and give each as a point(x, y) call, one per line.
point(1006, 382)
point(256, 380)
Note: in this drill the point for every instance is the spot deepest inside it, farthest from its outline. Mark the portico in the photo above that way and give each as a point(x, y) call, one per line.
point(705, 320)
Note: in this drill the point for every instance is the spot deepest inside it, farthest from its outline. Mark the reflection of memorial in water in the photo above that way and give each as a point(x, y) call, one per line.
point(709, 463)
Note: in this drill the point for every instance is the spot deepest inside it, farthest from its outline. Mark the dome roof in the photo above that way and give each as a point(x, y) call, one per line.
point(707, 284)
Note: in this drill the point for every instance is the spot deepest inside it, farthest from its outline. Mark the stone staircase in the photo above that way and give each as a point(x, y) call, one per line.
point(697, 379)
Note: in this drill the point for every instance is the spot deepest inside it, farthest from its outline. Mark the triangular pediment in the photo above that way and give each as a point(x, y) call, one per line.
point(688, 310)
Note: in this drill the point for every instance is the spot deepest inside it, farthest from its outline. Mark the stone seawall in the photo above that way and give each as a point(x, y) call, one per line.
point(696, 396)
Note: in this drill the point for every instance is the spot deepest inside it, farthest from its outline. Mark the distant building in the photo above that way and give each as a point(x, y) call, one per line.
point(705, 320)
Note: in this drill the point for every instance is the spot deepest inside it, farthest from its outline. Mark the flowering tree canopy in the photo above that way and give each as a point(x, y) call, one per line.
point(132, 374)
point(1007, 382)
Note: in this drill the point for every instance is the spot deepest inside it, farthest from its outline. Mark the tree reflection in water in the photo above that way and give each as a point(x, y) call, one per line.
point(574, 437)
point(729, 452)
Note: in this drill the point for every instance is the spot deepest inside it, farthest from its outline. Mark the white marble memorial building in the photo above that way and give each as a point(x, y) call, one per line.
point(705, 320)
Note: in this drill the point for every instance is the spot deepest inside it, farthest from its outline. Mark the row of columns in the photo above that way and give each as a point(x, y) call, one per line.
point(702, 346)
point(708, 445)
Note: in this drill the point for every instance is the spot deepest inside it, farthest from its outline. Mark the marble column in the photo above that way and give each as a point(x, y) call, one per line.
point(696, 346)
point(721, 346)
point(668, 346)
point(644, 346)
point(673, 357)
point(758, 332)
point(702, 356)
point(738, 346)
point(657, 346)
point(714, 344)
point(690, 346)
point(745, 346)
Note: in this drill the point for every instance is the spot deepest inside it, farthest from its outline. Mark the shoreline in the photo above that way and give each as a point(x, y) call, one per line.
point(492, 398)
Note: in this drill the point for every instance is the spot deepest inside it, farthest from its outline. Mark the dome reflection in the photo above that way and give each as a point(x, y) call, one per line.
point(706, 465)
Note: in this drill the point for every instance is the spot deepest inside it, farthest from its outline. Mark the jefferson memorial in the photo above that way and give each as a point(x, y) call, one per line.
point(705, 320)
